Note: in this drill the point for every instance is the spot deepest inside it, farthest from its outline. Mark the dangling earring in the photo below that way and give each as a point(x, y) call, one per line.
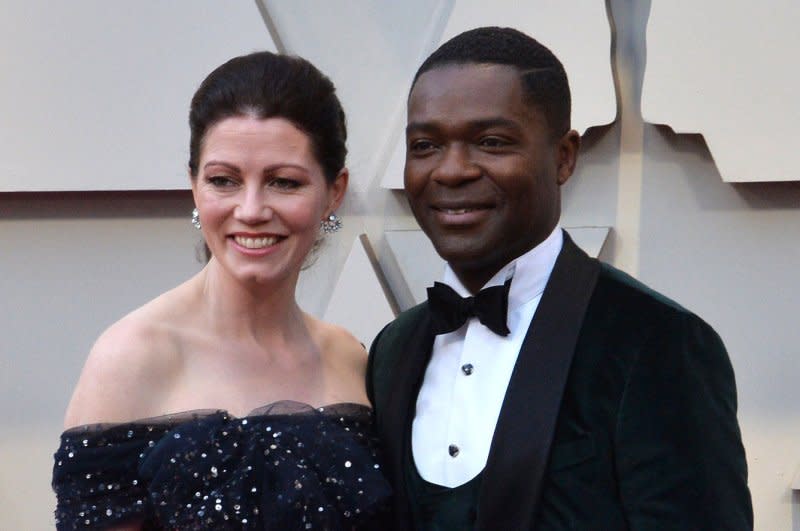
point(331, 224)
point(196, 219)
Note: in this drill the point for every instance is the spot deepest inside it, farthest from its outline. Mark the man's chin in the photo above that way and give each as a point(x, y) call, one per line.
point(464, 254)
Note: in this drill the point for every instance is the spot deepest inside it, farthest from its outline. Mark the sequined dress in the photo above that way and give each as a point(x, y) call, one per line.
point(284, 466)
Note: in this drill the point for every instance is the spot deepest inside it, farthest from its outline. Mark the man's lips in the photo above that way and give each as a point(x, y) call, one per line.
point(459, 213)
point(459, 210)
point(465, 203)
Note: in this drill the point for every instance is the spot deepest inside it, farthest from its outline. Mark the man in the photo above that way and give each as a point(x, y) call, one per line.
point(589, 401)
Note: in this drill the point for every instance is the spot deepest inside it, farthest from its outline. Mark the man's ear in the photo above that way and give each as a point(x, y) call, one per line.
point(567, 150)
point(336, 191)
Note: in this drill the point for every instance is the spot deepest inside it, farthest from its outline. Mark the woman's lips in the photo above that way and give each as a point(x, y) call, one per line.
point(256, 245)
point(257, 242)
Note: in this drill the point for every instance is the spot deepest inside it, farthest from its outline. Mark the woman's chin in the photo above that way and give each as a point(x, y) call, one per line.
point(257, 274)
point(260, 278)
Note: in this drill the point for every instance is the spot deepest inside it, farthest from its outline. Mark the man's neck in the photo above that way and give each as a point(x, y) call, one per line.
point(473, 279)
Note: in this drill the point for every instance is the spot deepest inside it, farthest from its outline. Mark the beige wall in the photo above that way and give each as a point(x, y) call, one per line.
point(74, 263)
point(71, 265)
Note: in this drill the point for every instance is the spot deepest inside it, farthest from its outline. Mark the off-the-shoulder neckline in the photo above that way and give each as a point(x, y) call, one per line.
point(288, 407)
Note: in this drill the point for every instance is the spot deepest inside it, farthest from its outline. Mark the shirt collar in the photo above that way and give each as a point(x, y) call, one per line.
point(530, 271)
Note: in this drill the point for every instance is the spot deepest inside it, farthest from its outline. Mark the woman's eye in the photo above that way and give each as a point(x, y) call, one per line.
point(221, 182)
point(284, 183)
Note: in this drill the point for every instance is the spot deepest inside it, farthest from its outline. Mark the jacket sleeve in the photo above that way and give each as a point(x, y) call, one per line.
point(680, 459)
point(370, 375)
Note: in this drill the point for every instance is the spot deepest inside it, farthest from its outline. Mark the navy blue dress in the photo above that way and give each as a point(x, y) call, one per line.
point(284, 466)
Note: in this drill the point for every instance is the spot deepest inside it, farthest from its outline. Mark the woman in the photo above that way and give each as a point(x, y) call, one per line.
point(220, 404)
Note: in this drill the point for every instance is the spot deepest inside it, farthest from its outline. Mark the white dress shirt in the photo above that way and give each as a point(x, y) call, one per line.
point(470, 368)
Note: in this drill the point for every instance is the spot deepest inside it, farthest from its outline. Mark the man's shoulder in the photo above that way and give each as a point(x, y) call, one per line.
point(391, 344)
point(613, 282)
point(405, 323)
point(618, 293)
point(394, 339)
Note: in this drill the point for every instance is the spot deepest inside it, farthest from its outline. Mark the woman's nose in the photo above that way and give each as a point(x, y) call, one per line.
point(253, 208)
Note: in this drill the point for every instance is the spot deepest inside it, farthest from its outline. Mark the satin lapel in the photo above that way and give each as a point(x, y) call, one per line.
point(517, 460)
point(406, 380)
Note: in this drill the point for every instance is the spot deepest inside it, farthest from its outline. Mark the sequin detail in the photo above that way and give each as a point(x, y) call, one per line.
point(284, 466)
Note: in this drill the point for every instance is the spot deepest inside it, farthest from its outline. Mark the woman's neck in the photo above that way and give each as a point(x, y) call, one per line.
point(263, 312)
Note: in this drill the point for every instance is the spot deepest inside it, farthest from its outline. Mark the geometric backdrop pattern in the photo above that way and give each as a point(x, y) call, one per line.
point(728, 69)
point(94, 94)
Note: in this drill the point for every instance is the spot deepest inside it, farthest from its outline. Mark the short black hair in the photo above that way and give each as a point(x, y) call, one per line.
point(267, 85)
point(541, 73)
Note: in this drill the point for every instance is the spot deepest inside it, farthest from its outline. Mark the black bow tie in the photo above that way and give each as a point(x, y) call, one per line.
point(450, 311)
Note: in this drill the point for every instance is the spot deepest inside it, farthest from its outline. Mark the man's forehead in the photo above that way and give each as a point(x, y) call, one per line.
point(474, 90)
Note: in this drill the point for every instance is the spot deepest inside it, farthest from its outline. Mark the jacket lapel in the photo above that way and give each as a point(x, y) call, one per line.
point(520, 448)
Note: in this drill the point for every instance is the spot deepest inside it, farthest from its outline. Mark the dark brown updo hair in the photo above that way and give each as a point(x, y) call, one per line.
point(268, 85)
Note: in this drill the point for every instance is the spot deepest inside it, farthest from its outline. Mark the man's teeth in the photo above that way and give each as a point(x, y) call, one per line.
point(256, 243)
point(457, 210)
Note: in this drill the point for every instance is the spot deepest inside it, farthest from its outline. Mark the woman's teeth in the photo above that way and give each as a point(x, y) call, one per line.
point(256, 243)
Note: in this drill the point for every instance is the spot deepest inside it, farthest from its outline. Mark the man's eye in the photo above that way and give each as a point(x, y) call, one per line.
point(493, 142)
point(219, 181)
point(284, 183)
point(421, 146)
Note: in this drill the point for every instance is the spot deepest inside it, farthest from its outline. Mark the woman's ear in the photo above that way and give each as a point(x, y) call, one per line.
point(336, 191)
point(193, 183)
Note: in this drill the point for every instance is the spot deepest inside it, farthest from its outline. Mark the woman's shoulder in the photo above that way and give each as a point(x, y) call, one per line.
point(131, 365)
point(337, 342)
point(344, 358)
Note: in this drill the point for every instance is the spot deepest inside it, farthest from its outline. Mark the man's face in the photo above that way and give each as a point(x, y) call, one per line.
point(482, 170)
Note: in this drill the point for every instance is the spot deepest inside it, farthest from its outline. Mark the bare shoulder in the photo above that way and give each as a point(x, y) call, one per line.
point(129, 368)
point(339, 347)
point(345, 360)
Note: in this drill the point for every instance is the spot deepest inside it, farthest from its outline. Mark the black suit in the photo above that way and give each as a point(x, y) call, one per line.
point(620, 412)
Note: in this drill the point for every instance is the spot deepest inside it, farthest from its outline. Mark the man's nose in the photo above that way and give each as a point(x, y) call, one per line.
point(456, 166)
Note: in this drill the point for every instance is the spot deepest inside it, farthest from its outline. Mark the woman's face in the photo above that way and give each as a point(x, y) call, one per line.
point(261, 195)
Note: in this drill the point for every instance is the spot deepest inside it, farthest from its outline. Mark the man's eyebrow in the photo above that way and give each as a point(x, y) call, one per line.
point(487, 123)
point(420, 127)
point(479, 124)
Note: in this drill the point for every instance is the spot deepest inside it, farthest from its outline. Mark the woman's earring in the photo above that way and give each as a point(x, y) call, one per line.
point(331, 224)
point(196, 219)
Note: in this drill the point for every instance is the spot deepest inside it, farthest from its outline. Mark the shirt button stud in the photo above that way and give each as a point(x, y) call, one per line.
point(453, 450)
point(467, 368)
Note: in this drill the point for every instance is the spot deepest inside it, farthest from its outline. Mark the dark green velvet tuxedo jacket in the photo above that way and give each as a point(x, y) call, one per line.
point(620, 412)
